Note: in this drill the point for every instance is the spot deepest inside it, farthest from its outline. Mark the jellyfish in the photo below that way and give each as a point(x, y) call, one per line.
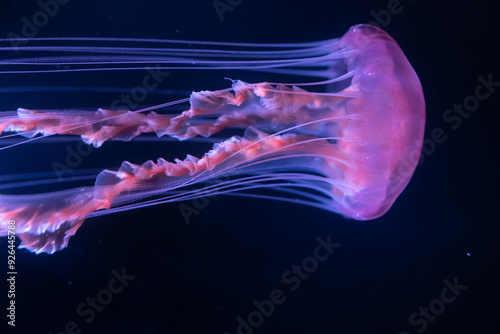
point(345, 138)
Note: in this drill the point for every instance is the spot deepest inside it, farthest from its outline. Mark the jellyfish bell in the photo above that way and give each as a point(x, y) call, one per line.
point(349, 149)
point(390, 128)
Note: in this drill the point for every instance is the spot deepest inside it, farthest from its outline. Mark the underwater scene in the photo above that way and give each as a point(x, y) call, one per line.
point(235, 166)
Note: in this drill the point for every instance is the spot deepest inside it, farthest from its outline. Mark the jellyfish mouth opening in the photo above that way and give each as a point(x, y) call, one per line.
point(339, 128)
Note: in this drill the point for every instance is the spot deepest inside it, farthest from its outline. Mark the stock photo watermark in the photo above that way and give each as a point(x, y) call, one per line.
point(194, 208)
point(30, 27)
point(223, 6)
point(419, 320)
point(11, 272)
point(292, 278)
point(453, 117)
point(139, 93)
point(88, 309)
point(383, 17)
point(74, 156)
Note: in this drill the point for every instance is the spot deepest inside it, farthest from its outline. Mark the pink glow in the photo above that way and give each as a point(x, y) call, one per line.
point(350, 149)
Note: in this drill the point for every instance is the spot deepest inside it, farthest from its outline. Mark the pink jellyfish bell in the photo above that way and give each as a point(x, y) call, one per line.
point(350, 149)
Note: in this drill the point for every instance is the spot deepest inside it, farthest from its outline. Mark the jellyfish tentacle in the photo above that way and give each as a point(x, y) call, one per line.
point(249, 105)
point(45, 222)
point(94, 127)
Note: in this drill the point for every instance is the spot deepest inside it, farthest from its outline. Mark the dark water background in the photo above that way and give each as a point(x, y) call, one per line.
point(199, 278)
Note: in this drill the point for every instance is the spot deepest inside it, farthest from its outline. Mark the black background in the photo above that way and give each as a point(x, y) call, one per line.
point(199, 278)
